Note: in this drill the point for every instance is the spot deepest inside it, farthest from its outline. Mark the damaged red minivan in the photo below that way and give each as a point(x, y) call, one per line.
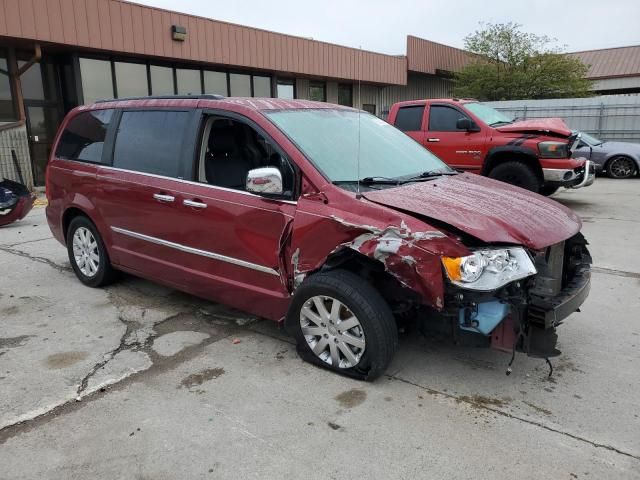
point(319, 216)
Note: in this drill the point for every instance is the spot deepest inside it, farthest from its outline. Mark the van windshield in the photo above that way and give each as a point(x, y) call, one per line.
point(331, 138)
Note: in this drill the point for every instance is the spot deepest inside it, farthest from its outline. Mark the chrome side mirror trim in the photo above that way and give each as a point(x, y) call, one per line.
point(264, 180)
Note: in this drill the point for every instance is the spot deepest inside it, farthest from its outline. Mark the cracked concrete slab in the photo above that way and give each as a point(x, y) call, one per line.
point(122, 365)
point(171, 343)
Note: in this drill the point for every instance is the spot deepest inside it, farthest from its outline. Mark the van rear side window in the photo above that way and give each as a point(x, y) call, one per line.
point(83, 138)
point(150, 141)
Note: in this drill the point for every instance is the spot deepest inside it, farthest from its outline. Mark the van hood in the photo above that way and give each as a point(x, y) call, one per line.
point(544, 125)
point(487, 209)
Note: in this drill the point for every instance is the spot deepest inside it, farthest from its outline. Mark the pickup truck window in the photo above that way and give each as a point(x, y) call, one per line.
point(409, 119)
point(331, 140)
point(444, 119)
point(488, 115)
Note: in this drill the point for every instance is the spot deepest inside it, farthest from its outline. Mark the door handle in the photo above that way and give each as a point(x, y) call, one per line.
point(433, 139)
point(162, 197)
point(194, 204)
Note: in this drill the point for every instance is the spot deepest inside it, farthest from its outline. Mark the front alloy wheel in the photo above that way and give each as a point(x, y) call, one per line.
point(621, 167)
point(332, 332)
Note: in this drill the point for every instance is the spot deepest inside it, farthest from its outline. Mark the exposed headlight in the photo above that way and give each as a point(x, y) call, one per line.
point(488, 270)
point(553, 149)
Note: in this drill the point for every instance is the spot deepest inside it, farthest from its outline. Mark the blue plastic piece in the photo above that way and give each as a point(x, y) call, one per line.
point(484, 317)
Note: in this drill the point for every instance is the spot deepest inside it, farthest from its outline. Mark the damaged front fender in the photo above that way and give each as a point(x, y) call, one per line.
point(407, 248)
point(16, 201)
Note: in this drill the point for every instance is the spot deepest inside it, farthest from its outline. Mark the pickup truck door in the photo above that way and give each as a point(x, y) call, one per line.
point(458, 148)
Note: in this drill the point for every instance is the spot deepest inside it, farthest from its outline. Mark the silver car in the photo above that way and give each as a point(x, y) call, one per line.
point(616, 159)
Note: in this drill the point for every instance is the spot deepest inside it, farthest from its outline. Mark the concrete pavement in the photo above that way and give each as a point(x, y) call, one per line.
point(171, 386)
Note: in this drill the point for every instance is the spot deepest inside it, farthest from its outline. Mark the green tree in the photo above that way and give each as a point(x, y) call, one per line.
point(511, 64)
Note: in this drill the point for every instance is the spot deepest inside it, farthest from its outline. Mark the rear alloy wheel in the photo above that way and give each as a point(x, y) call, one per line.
point(87, 254)
point(621, 167)
point(518, 174)
point(342, 323)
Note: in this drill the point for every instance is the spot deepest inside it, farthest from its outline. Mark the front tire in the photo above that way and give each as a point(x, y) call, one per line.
point(547, 191)
point(340, 322)
point(621, 167)
point(87, 254)
point(518, 174)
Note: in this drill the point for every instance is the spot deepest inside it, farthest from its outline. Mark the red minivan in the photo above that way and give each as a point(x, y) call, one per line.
point(319, 216)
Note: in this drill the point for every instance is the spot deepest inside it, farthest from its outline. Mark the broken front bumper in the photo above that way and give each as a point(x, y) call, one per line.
point(579, 177)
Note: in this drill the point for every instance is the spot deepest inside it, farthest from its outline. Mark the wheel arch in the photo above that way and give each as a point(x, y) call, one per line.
point(618, 155)
point(498, 155)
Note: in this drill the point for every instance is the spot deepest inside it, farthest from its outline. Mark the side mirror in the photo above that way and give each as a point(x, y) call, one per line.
point(264, 180)
point(467, 125)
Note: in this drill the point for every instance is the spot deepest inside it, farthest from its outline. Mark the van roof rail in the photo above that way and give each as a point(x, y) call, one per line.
point(207, 96)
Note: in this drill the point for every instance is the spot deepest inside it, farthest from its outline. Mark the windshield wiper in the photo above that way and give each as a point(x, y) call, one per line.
point(501, 122)
point(427, 176)
point(371, 181)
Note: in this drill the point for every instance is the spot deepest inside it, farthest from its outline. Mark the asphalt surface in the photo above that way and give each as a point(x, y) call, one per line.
point(139, 381)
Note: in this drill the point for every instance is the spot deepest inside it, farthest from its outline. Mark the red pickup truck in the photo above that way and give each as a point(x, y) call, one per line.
point(468, 135)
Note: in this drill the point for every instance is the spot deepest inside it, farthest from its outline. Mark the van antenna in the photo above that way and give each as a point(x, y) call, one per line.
point(358, 193)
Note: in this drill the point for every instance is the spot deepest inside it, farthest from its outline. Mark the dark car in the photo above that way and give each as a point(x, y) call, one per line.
point(319, 216)
point(616, 159)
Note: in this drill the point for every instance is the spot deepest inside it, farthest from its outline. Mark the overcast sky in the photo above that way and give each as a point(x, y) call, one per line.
point(382, 25)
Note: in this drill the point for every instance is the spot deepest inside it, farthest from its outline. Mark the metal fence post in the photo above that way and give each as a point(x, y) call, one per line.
point(600, 119)
point(524, 113)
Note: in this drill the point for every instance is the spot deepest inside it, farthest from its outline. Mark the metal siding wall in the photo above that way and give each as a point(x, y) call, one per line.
point(332, 92)
point(302, 88)
point(15, 139)
point(128, 28)
point(418, 86)
point(609, 117)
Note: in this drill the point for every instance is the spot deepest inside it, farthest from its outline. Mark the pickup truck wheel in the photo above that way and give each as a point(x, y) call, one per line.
point(548, 191)
point(342, 323)
point(621, 167)
point(87, 254)
point(518, 174)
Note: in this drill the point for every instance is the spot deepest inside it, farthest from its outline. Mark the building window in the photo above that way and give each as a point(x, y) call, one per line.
point(369, 107)
point(318, 91)
point(150, 141)
point(131, 80)
point(345, 94)
point(216, 83)
point(409, 119)
point(7, 106)
point(97, 82)
point(84, 137)
point(188, 82)
point(240, 85)
point(161, 80)
point(285, 89)
point(261, 86)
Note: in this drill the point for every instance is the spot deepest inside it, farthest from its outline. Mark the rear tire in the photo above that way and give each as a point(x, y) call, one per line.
point(87, 254)
point(357, 339)
point(621, 167)
point(518, 174)
point(548, 191)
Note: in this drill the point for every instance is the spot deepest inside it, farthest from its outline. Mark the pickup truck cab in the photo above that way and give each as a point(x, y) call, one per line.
point(468, 135)
point(321, 217)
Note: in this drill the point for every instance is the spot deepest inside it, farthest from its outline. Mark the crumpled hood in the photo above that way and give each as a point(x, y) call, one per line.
point(545, 125)
point(487, 209)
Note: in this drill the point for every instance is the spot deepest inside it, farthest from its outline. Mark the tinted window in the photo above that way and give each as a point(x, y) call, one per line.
point(7, 112)
point(150, 141)
point(161, 80)
point(317, 91)
point(83, 138)
point(240, 85)
point(261, 87)
point(216, 83)
point(131, 79)
point(345, 95)
point(444, 119)
point(97, 82)
point(409, 119)
point(188, 82)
